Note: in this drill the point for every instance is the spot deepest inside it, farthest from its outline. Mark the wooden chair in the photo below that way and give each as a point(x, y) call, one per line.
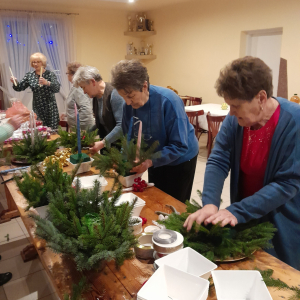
point(195, 101)
point(214, 124)
point(64, 124)
point(193, 118)
point(185, 99)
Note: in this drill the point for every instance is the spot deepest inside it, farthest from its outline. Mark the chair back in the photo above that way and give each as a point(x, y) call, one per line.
point(195, 100)
point(64, 124)
point(214, 124)
point(193, 118)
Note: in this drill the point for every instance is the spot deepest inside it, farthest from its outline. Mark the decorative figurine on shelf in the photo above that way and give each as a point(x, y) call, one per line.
point(150, 49)
point(133, 25)
point(151, 25)
point(130, 48)
point(146, 51)
point(129, 23)
point(141, 22)
point(135, 51)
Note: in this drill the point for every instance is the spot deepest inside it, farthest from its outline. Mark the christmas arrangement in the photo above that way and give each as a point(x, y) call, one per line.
point(69, 139)
point(61, 156)
point(36, 184)
point(122, 161)
point(88, 226)
point(34, 148)
point(221, 243)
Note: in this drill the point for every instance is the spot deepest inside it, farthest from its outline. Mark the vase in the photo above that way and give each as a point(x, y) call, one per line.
point(295, 99)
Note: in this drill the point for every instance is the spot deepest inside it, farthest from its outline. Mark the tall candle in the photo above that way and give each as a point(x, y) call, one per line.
point(31, 129)
point(75, 109)
point(41, 74)
point(139, 140)
point(34, 121)
point(78, 137)
point(12, 75)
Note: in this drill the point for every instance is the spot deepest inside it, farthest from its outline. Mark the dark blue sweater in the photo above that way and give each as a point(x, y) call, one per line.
point(164, 120)
point(279, 199)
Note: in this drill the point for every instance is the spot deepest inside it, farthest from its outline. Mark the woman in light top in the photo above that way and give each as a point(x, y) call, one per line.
point(43, 87)
point(82, 101)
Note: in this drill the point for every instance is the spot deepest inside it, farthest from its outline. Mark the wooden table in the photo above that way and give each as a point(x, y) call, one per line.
point(124, 283)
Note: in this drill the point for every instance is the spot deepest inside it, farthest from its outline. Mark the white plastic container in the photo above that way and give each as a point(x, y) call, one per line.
point(169, 283)
point(137, 228)
point(85, 166)
point(240, 285)
point(87, 182)
point(128, 181)
point(129, 197)
point(189, 261)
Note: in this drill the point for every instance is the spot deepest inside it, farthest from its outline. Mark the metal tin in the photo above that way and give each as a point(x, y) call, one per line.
point(169, 248)
point(144, 248)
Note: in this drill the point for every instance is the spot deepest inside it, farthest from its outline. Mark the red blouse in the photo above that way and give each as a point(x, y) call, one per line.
point(255, 154)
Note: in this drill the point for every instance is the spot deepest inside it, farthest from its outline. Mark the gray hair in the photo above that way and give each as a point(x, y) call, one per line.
point(85, 74)
point(129, 75)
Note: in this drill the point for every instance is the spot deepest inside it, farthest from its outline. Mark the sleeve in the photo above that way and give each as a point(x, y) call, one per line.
point(218, 166)
point(6, 131)
point(23, 84)
point(84, 107)
point(54, 84)
point(284, 186)
point(116, 102)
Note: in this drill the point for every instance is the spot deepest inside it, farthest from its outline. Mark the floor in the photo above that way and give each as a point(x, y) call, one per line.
point(30, 281)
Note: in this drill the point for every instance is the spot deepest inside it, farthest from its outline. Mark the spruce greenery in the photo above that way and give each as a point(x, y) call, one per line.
point(123, 160)
point(36, 184)
point(280, 285)
point(78, 290)
point(33, 153)
point(69, 139)
point(220, 243)
point(88, 226)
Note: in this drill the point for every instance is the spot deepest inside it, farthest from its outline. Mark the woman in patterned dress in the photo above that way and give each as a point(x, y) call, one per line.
point(43, 88)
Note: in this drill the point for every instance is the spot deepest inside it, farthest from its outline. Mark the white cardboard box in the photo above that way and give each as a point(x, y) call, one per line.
point(87, 182)
point(169, 283)
point(240, 285)
point(129, 197)
point(189, 261)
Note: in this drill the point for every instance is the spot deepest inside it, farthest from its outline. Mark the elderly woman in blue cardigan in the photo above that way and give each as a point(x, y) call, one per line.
point(163, 117)
point(260, 143)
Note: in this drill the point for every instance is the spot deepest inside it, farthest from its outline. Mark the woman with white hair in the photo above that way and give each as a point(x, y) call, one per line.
point(43, 87)
point(107, 105)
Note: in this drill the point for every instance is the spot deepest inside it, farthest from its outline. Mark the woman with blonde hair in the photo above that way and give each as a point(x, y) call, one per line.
point(82, 101)
point(44, 85)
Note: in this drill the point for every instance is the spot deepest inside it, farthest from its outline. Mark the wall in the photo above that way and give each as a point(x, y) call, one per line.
point(195, 40)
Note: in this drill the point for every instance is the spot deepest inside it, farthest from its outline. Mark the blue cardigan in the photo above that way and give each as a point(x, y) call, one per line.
point(164, 120)
point(279, 199)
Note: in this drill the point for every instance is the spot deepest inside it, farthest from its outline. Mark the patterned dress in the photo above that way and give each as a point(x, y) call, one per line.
point(44, 102)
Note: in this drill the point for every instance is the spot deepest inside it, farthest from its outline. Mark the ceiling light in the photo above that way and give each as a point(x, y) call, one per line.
point(130, 1)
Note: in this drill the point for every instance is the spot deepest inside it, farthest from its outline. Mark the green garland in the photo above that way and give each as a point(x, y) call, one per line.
point(36, 184)
point(78, 290)
point(87, 226)
point(220, 243)
point(69, 139)
point(34, 153)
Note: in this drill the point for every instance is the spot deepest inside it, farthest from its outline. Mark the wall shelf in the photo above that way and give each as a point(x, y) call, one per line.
point(140, 57)
point(139, 34)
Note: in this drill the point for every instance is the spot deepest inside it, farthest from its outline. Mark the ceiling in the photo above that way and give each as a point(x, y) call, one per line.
point(75, 6)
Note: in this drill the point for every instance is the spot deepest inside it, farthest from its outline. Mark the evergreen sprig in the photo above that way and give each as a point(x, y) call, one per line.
point(88, 226)
point(36, 184)
point(220, 243)
point(277, 283)
point(69, 139)
point(78, 290)
point(34, 153)
point(125, 159)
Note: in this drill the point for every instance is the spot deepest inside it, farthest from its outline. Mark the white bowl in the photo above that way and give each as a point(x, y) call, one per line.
point(85, 166)
point(128, 181)
point(189, 261)
point(236, 285)
point(129, 197)
point(169, 283)
point(87, 182)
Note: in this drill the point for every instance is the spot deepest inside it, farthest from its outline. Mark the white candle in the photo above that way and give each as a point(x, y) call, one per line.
point(41, 74)
point(31, 129)
point(12, 76)
point(34, 121)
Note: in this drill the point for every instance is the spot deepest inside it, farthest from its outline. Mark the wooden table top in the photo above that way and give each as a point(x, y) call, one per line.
point(124, 283)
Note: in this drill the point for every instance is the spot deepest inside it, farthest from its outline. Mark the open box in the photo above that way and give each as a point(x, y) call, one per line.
point(189, 261)
point(87, 182)
point(84, 167)
point(169, 283)
point(240, 285)
point(129, 197)
point(128, 181)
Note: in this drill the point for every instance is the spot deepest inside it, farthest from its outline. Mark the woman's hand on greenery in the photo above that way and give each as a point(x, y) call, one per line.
point(224, 216)
point(200, 216)
point(97, 146)
point(142, 167)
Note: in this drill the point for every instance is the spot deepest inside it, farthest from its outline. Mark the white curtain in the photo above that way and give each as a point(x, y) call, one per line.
point(23, 33)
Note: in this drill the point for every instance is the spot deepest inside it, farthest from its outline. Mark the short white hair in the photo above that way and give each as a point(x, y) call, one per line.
point(84, 74)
